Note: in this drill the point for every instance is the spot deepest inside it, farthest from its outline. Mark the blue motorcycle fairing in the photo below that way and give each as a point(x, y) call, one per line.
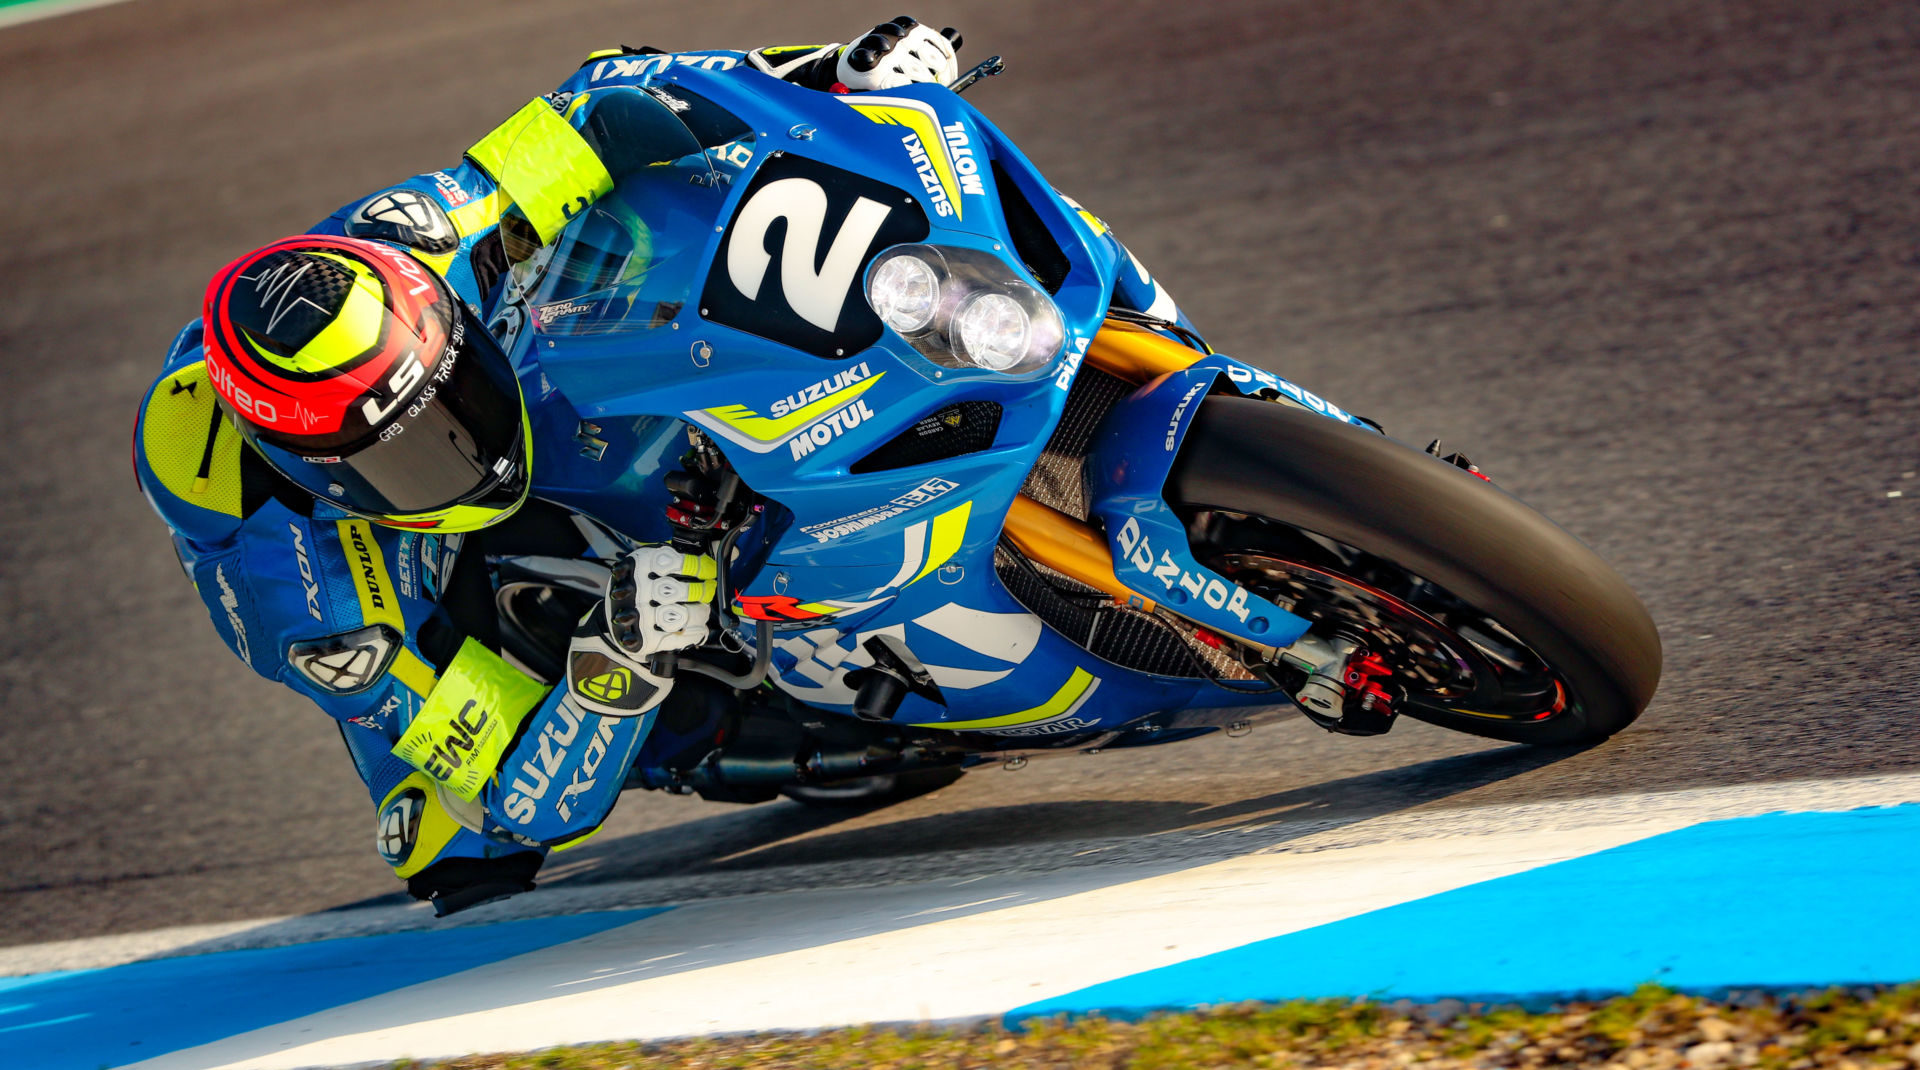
point(904, 551)
point(608, 468)
point(1000, 670)
point(1260, 383)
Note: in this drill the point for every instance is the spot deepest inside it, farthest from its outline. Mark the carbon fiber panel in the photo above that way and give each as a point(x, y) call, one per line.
point(1058, 479)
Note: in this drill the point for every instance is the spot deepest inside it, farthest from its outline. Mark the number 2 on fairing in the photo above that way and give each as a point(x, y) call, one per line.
point(815, 295)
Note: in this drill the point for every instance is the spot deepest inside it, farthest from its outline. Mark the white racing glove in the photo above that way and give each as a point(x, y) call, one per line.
point(658, 600)
point(899, 53)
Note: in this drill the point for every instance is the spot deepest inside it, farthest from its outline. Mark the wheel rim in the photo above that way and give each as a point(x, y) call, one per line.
point(1447, 657)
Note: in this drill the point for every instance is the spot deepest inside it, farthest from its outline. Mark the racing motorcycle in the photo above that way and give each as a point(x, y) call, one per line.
point(977, 494)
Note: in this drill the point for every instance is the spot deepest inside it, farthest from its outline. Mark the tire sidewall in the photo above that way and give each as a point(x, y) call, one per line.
point(1481, 544)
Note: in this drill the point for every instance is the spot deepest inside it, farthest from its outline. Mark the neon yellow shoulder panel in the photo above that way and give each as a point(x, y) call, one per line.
point(192, 449)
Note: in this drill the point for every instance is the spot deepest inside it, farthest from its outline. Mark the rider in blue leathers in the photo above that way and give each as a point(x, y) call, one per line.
point(331, 567)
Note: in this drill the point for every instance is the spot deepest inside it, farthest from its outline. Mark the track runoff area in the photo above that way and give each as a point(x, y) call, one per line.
point(1785, 886)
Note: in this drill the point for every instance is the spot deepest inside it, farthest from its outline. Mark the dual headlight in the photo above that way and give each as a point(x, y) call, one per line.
point(963, 308)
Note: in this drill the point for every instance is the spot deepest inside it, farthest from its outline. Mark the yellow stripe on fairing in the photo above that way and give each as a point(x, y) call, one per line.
point(569, 845)
point(772, 429)
point(949, 530)
point(927, 130)
point(1063, 700)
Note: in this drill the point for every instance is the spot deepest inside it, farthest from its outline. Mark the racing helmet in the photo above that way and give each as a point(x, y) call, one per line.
point(357, 374)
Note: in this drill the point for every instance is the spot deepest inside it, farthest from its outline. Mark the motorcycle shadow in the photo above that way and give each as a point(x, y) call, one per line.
point(786, 846)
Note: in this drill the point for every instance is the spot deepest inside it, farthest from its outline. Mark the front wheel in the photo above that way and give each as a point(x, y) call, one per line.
point(1488, 618)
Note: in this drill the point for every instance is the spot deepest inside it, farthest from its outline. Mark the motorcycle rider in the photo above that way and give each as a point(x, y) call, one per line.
point(339, 445)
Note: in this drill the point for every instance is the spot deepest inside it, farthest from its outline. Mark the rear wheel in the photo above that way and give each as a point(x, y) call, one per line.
point(1482, 614)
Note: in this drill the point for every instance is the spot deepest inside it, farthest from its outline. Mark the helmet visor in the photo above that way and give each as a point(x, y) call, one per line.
point(460, 441)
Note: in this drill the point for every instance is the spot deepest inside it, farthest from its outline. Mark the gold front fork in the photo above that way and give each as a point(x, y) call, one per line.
point(1136, 354)
point(1058, 541)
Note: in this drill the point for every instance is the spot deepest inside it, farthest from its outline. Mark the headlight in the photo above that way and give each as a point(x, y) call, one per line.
point(992, 331)
point(905, 292)
point(964, 308)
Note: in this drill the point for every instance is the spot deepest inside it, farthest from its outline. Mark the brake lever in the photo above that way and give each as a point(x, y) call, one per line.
point(986, 68)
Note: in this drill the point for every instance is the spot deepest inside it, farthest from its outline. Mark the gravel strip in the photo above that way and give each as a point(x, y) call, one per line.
point(1651, 1029)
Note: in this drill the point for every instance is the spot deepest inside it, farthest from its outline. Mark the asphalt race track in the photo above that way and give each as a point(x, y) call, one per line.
point(1655, 266)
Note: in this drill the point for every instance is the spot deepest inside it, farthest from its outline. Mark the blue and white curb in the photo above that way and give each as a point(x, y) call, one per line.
point(1690, 888)
point(1782, 901)
point(89, 1018)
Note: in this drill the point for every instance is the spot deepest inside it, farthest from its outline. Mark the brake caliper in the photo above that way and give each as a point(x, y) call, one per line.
point(1347, 688)
point(1369, 707)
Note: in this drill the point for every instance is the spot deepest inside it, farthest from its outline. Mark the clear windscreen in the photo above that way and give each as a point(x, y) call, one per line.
point(628, 260)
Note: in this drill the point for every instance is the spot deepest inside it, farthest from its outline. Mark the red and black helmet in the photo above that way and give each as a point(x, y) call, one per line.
point(360, 376)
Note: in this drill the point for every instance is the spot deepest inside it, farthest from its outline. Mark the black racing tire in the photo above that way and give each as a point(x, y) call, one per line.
point(1486, 548)
point(883, 789)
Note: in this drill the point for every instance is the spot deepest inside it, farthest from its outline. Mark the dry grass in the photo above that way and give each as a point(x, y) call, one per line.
point(1652, 1029)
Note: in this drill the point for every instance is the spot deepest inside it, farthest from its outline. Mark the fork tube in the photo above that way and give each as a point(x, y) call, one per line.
point(1058, 541)
point(1067, 546)
point(1136, 354)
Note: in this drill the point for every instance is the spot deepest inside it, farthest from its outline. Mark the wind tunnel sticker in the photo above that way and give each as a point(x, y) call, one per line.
point(847, 525)
point(942, 155)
